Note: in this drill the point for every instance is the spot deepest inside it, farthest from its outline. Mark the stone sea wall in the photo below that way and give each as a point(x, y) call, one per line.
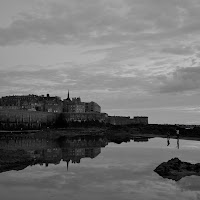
point(84, 116)
point(12, 119)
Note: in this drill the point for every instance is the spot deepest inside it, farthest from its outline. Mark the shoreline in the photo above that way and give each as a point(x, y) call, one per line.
point(112, 132)
point(113, 135)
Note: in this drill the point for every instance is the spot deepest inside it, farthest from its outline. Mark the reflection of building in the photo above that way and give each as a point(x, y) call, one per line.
point(141, 139)
point(75, 150)
point(50, 156)
point(47, 152)
point(92, 152)
point(75, 154)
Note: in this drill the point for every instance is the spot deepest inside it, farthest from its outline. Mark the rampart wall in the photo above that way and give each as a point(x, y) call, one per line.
point(84, 116)
point(26, 119)
point(21, 119)
point(120, 120)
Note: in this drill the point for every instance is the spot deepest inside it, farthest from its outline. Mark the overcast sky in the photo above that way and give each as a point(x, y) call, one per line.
point(133, 57)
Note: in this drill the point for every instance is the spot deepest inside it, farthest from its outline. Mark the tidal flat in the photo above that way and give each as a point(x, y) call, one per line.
point(94, 168)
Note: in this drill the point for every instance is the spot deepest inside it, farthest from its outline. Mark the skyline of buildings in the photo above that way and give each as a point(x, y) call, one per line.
point(33, 111)
point(48, 103)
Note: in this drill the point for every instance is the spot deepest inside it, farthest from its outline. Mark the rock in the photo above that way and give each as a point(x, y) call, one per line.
point(175, 169)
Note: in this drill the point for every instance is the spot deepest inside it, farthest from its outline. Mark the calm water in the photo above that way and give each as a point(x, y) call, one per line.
point(93, 169)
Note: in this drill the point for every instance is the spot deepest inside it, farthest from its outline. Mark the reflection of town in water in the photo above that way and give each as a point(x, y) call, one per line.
point(45, 152)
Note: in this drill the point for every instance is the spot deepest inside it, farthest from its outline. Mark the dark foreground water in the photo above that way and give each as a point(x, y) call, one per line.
point(93, 169)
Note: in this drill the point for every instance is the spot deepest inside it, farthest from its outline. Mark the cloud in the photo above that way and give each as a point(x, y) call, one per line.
point(65, 22)
point(181, 80)
point(178, 50)
point(64, 76)
point(62, 22)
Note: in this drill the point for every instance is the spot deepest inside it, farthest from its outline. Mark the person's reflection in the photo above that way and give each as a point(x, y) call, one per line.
point(168, 139)
point(177, 143)
point(168, 142)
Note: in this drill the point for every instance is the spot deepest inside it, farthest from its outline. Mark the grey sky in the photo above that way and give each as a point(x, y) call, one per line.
point(134, 57)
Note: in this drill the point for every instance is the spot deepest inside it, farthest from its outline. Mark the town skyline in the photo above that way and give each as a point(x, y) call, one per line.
point(133, 57)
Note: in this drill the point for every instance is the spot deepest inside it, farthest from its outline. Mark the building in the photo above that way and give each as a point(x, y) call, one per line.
point(92, 107)
point(77, 106)
point(73, 106)
point(17, 110)
point(140, 120)
point(66, 103)
point(48, 104)
point(53, 104)
point(32, 103)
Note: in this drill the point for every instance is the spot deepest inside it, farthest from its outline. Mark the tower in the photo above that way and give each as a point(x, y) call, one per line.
point(68, 98)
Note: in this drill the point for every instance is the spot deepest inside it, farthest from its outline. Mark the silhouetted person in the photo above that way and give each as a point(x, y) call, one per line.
point(177, 134)
point(168, 135)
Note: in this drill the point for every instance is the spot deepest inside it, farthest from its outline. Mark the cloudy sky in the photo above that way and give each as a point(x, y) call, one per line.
point(133, 57)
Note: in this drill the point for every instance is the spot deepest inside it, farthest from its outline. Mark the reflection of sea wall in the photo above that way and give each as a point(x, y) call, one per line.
point(52, 152)
point(27, 144)
point(83, 143)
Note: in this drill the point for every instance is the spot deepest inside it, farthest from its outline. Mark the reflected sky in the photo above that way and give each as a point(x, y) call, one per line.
point(122, 171)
